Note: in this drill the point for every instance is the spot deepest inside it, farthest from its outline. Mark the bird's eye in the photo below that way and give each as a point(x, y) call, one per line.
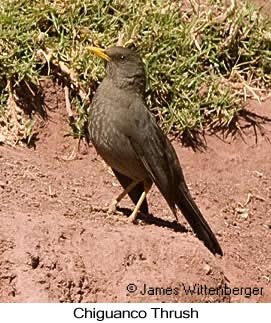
point(122, 57)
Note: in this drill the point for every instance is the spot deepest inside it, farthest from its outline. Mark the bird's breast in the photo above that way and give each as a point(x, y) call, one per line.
point(110, 142)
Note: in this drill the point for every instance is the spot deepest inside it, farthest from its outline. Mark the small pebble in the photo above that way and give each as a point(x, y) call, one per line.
point(207, 269)
point(2, 184)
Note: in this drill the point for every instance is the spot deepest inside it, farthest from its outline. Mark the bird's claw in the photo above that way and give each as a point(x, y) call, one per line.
point(132, 217)
point(112, 208)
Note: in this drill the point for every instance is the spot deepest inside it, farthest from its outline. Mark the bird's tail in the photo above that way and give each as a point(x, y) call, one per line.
point(196, 220)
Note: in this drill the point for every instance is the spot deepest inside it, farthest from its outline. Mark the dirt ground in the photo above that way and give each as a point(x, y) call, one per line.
point(56, 246)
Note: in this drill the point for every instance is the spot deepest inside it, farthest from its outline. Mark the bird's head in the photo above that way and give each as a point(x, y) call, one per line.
point(123, 66)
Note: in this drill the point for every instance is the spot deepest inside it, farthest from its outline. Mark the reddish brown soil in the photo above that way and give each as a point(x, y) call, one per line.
point(56, 247)
point(265, 6)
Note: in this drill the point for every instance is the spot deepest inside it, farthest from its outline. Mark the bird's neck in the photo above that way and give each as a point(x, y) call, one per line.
point(131, 84)
point(134, 83)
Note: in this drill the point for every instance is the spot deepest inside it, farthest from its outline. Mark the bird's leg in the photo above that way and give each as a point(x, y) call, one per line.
point(174, 211)
point(133, 216)
point(114, 204)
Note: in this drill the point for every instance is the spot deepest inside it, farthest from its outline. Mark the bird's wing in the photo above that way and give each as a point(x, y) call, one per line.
point(152, 147)
point(159, 158)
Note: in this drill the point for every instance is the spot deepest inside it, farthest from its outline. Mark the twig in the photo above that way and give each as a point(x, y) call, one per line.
point(220, 19)
point(120, 38)
point(73, 79)
point(12, 105)
point(67, 101)
point(49, 57)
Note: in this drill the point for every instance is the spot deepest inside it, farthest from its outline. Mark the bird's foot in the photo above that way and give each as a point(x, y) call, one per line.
point(112, 208)
point(103, 209)
point(132, 217)
point(109, 209)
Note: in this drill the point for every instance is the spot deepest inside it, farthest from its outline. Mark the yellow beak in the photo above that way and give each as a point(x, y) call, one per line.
point(99, 52)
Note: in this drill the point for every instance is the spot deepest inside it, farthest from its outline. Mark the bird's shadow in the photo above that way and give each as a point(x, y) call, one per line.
point(150, 219)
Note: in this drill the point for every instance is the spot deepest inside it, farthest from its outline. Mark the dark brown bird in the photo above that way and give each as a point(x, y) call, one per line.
point(128, 138)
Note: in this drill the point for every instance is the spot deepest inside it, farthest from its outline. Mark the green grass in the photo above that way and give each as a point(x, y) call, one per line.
point(203, 61)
